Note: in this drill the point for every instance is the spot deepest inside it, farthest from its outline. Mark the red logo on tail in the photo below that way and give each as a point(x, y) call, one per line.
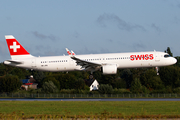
point(15, 48)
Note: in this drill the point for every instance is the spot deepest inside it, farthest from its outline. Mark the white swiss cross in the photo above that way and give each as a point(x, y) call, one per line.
point(14, 47)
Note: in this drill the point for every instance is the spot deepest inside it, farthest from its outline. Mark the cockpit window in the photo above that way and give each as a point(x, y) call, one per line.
point(167, 55)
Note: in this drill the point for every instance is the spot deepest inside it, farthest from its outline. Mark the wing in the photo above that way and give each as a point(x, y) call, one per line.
point(87, 65)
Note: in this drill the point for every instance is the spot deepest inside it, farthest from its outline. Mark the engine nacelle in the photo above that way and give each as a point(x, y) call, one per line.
point(109, 69)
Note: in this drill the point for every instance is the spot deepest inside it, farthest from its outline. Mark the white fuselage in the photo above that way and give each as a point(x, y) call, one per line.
point(122, 60)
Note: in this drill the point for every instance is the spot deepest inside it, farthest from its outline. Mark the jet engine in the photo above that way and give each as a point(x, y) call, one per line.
point(109, 69)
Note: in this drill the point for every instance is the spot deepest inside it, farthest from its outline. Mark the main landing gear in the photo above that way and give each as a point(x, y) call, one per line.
point(157, 70)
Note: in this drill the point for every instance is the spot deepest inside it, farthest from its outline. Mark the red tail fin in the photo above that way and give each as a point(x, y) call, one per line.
point(15, 48)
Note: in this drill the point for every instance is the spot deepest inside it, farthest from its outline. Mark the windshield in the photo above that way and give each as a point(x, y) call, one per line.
point(167, 55)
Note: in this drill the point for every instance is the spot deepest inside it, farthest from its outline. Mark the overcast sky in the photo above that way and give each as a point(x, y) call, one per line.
point(47, 27)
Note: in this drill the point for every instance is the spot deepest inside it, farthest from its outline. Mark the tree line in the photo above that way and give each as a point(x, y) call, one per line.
point(137, 80)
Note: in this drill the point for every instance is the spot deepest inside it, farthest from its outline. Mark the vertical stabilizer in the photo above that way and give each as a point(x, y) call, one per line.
point(16, 50)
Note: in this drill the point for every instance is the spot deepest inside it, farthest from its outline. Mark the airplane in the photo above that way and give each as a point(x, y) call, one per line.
point(107, 63)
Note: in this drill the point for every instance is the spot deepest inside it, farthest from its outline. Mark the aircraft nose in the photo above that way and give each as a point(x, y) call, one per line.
point(174, 61)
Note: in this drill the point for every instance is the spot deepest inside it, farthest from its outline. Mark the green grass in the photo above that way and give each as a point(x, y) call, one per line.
point(125, 108)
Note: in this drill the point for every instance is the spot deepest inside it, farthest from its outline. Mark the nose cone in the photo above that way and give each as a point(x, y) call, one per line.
point(174, 61)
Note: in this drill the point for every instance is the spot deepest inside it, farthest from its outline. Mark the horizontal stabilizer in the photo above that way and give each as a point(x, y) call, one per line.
point(13, 62)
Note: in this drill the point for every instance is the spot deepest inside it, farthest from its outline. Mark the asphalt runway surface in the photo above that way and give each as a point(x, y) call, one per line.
point(118, 99)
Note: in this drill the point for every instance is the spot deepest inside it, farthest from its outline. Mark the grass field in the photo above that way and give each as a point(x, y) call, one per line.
point(91, 108)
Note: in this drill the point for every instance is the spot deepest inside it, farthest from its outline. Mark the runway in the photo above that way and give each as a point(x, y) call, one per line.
point(125, 99)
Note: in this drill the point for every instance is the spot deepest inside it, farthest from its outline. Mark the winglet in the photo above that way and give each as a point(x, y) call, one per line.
point(69, 53)
point(73, 53)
